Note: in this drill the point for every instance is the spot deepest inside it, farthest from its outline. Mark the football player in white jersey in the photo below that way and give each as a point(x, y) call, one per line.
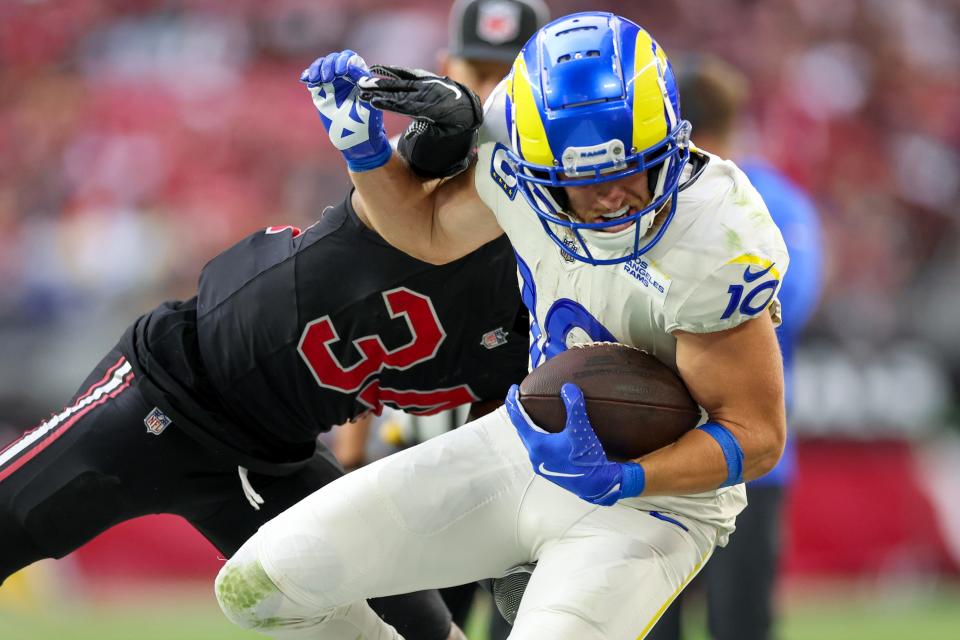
point(624, 232)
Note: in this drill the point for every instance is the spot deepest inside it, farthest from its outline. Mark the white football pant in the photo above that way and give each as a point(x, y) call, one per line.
point(458, 508)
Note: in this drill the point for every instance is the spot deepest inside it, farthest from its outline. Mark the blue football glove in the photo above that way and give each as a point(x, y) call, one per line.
point(574, 458)
point(354, 127)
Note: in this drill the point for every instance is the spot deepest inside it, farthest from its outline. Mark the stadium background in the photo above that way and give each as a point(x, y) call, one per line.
point(141, 137)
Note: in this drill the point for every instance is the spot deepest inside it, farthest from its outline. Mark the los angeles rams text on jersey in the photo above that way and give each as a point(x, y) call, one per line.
point(719, 263)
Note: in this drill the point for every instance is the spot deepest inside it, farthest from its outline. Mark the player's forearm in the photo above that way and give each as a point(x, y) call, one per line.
point(392, 200)
point(737, 376)
point(437, 222)
point(697, 461)
point(399, 206)
point(350, 442)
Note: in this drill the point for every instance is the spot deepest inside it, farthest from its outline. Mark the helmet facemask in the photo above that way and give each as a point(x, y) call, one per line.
point(580, 138)
point(544, 192)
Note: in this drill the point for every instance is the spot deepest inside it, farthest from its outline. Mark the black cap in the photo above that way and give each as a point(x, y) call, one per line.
point(494, 30)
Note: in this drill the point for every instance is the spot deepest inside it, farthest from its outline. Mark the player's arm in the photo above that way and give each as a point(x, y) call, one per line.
point(481, 408)
point(350, 442)
point(736, 375)
point(435, 222)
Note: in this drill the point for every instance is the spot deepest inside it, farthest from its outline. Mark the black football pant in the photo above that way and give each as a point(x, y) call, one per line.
point(95, 464)
point(740, 578)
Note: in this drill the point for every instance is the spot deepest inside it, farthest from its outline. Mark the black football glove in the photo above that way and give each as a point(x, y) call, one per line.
point(436, 100)
point(446, 115)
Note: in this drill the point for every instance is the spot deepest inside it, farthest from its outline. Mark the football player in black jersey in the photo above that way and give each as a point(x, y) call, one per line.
point(210, 408)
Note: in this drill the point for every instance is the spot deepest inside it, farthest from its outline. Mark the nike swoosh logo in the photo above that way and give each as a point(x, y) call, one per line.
point(615, 487)
point(558, 474)
point(456, 91)
point(750, 276)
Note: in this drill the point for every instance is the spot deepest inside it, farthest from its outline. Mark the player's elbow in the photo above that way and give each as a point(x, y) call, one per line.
point(768, 449)
point(766, 459)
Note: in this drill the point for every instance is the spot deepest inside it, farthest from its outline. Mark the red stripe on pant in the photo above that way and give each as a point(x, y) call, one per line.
point(59, 431)
point(86, 394)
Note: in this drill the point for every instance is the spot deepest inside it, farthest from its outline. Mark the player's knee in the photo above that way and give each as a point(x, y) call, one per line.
point(242, 590)
point(247, 595)
point(251, 599)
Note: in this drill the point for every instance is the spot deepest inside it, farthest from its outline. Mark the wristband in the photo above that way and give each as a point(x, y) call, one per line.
point(634, 480)
point(368, 163)
point(732, 452)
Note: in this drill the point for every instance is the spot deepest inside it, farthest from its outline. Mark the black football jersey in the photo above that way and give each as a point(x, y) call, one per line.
point(293, 332)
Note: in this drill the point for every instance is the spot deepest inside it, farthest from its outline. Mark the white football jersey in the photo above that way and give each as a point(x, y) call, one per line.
point(719, 263)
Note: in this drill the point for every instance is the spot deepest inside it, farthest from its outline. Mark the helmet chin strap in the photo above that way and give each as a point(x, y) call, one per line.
point(657, 192)
point(645, 223)
point(662, 171)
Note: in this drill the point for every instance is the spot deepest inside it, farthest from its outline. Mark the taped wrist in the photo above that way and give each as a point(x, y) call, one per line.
point(732, 452)
point(368, 163)
point(634, 480)
point(432, 154)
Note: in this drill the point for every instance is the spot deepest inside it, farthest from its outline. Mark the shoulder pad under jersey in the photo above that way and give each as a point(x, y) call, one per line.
point(735, 249)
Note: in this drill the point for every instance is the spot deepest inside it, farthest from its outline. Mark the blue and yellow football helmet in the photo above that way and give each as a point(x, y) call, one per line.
point(592, 98)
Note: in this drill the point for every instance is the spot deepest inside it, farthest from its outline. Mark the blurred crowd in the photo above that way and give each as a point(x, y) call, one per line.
point(140, 137)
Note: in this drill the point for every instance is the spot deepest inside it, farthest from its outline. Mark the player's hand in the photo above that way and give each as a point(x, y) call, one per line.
point(436, 101)
point(355, 128)
point(574, 458)
point(446, 115)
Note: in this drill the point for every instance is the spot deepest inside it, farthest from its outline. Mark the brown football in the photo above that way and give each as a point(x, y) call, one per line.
point(635, 403)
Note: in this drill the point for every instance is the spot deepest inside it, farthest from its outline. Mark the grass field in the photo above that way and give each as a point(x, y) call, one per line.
point(850, 611)
point(813, 612)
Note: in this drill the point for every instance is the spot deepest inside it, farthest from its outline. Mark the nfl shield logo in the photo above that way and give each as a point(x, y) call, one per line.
point(495, 338)
point(498, 22)
point(156, 421)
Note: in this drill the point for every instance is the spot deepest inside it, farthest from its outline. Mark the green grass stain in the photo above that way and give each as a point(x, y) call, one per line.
point(733, 240)
point(244, 587)
point(741, 198)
